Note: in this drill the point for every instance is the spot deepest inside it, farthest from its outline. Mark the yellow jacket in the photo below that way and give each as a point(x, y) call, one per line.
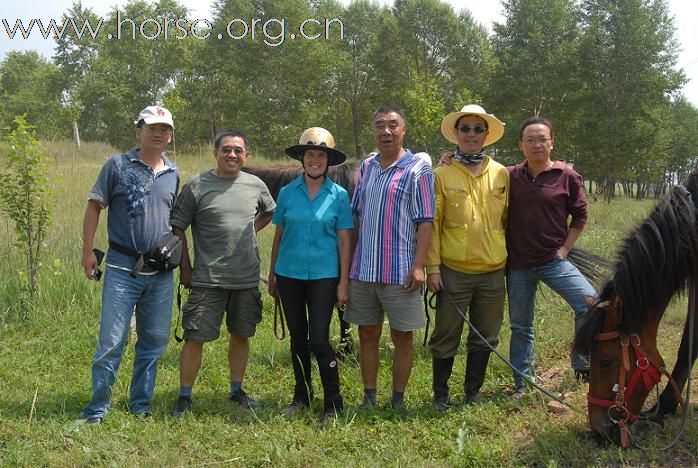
point(471, 216)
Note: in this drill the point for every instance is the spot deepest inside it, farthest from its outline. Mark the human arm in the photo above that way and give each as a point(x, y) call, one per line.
point(271, 281)
point(261, 220)
point(185, 268)
point(579, 210)
point(572, 236)
point(446, 158)
point(433, 261)
point(415, 278)
point(344, 237)
point(89, 229)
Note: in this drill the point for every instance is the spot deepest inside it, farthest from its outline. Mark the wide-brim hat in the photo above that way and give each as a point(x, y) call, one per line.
point(495, 127)
point(320, 139)
point(155, 115)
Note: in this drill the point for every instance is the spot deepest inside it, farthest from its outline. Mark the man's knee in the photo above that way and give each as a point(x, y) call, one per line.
point(236, 340)
point(370, 333)
point(402, 339)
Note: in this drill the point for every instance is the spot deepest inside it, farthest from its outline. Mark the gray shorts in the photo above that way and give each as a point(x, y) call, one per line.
point(202, 314)
point(369, 301)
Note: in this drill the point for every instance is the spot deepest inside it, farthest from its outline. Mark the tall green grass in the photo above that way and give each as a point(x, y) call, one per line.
point(45, 361)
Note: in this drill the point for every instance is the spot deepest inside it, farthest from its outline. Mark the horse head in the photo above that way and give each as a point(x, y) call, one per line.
point(624, 367)
point(658, 259)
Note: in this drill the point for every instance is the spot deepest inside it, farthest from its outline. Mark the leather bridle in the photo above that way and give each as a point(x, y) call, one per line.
point(647, 370)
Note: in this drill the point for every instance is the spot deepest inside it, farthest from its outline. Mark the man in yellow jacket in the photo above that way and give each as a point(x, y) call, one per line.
point(467, 253)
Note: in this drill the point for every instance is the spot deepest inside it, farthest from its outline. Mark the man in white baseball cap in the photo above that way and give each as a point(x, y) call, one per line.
point(152, 115)
point(139, 188)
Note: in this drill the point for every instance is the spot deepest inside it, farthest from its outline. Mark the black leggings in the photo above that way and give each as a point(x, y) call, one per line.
point(308, 306)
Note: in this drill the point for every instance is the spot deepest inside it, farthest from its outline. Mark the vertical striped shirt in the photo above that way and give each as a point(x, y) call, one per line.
point(390, 203)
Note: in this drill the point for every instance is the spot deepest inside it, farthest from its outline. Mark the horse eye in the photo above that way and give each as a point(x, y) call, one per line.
point(606, 363)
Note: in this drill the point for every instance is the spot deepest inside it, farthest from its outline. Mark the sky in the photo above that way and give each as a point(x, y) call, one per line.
point(685, 14)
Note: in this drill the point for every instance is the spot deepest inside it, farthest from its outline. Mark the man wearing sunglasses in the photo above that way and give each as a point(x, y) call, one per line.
point(467, 252)
point(225, 208)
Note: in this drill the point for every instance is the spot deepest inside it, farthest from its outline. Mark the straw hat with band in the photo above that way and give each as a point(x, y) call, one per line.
point(495, 126)
point(317, 138)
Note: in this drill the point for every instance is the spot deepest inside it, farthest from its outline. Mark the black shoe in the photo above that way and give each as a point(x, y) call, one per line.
point(582, 375)
point(441, 403)
point(367, 404)
point(182, 406)
point(294, 408)
point(397, 406)
point(93, 420)
point(241, 398)
point(472, 398)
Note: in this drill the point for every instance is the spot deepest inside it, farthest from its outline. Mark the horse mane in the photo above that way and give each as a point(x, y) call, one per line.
point(655, 262)
point(278, 175)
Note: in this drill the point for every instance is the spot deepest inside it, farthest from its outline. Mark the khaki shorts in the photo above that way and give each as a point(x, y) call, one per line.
point(202, 315)
point(368, 302)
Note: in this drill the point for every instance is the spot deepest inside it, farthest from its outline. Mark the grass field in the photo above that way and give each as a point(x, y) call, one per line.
point(45, 358)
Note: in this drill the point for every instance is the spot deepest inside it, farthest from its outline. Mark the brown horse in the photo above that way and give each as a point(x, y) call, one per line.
point(657, 260)
point(275, 177)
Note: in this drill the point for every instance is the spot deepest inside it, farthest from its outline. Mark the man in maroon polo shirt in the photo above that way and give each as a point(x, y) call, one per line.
point(544, 194)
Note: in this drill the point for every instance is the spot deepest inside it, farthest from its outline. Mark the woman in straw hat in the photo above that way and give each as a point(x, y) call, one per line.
point(310, 262)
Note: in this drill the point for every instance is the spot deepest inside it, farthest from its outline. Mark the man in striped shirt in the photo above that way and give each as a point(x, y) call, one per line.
point(393, 206)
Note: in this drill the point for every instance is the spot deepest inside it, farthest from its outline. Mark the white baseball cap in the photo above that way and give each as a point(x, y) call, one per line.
point(155, 115)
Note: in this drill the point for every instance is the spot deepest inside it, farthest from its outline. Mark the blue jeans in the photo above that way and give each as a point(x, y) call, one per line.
point(151, 296)
point(563, 278)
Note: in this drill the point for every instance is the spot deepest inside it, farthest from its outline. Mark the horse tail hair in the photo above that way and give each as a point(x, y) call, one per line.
point(595, 268)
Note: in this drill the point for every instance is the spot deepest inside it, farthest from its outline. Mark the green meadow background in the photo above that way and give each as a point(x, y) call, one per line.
point(46, 352)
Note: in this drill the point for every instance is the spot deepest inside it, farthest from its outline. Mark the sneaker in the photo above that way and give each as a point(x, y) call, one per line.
point(144, 416)
point(518, 394)
point(294, 408)
point(441, 403)
point(241, 398)
point(582, 375)
point(93, 420)
point(397, 406)
point(367, 404)
point(182, 406)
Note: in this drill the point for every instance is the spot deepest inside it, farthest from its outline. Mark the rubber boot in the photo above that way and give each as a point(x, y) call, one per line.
point(441, 372)
point(300, 356)
point(329, 375)
point(475, 369)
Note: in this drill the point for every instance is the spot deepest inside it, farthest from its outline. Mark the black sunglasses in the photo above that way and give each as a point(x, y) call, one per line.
point(477, 128)
point(233, 149)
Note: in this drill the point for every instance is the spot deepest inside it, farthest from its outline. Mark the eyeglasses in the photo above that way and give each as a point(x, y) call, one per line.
point(476, 128)
point(536, 141)
point(238, 150)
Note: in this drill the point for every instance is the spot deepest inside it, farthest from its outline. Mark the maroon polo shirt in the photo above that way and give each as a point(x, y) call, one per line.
point(538, 212)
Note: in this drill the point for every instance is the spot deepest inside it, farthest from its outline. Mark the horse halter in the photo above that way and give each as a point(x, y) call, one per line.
point(646, 369)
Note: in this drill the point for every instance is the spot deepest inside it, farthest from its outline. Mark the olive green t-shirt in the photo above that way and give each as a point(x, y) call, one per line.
point(221, 214)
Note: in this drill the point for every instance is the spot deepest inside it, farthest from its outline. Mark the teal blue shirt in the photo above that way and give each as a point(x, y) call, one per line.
point(308, 249)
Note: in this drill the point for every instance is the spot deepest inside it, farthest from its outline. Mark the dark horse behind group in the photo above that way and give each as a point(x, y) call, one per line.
point(657, 260)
